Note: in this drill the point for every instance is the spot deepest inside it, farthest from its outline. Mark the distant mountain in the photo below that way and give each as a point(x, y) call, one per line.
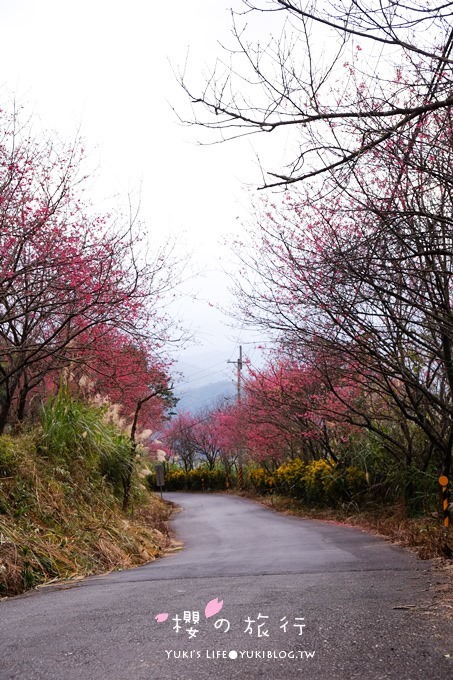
point(200, 371)
point(206, 396)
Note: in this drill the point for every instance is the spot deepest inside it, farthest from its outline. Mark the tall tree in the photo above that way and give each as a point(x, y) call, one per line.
point(63, 271)
point(290, 413)
point(310, 76)
point(363, 281)
point(178, 437)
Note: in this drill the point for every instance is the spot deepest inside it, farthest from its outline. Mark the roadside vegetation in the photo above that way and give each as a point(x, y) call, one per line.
point(355, 481)
point(347, 272)
point(345, 263)
point(319, 491)
point(84, 376)
point(61, 500)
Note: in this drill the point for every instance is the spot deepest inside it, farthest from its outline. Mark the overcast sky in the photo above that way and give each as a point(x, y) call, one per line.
point(103, 66)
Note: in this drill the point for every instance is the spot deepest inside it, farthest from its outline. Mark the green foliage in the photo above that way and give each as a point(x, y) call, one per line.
point(63, 518)
point(419, 490)
point(356, 480)
point(8, 456)
point(72, 430)
point(75, 436)
point(392, 478)
point(115, 458)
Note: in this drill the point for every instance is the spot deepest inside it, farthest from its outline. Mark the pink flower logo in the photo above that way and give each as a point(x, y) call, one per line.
point(160, 618)
point(213, 607)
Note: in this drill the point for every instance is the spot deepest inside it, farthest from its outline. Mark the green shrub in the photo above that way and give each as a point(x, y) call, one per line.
point(75, 436)
point(71, 430)
point(115, 459)
point(417, 489)
point(8, 456)
point(356, 481)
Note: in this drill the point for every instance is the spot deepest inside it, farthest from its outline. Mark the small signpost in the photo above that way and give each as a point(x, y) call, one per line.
point(160, 476)
point(443, 481)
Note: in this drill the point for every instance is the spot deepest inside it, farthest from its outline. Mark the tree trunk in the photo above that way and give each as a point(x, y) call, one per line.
point(22, 403)
point(5, 407)
point(127, 479)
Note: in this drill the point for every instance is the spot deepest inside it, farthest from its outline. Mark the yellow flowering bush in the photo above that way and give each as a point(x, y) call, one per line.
point(261, 480)
point(319, 480)
point(355, 479)
point(290, 478)
point(202, 479)
point(175, 480)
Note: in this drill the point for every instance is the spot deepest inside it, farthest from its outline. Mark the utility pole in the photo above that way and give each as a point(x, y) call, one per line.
point(239, 364)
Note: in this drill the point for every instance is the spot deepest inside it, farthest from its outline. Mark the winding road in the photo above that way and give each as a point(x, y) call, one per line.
point(253, 594)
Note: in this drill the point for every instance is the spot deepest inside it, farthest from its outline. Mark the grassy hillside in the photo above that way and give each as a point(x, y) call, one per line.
point(61, 504)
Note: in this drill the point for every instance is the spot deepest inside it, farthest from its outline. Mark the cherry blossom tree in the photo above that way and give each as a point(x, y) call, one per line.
point(206, 437)
point(68, 278)
point(329, 78)
point(178, 438)
point(289, 413)
point(362, 281)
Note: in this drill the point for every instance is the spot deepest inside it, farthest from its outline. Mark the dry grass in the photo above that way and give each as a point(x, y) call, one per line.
point(33, 554)
point(29, 557)
point(58, 526)
point(11, 567)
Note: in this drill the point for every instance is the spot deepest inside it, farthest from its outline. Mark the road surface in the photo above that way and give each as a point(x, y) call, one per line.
point(301, 599)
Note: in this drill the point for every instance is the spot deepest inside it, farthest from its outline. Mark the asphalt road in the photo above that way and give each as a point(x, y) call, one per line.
point(301, 599)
